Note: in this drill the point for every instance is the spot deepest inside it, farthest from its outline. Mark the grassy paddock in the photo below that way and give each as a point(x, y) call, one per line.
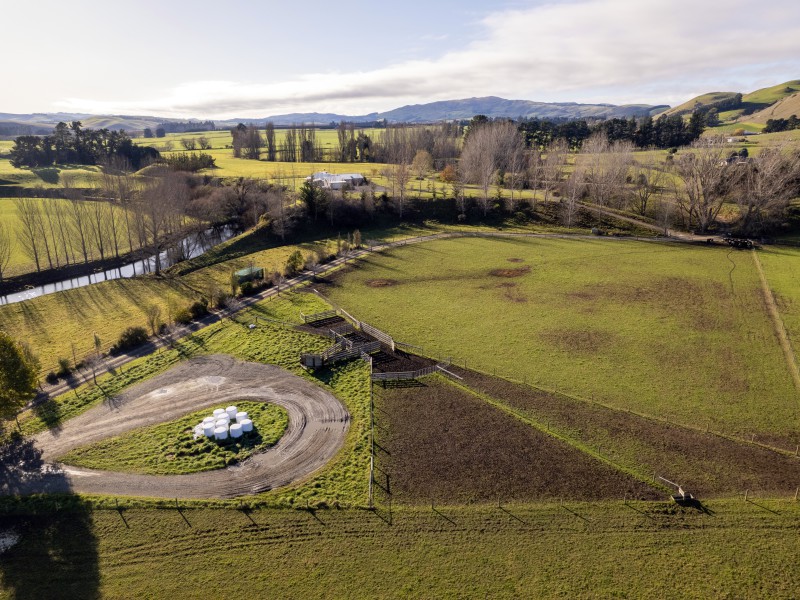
point(576, 550)
point(21, 262)
point(666, 330)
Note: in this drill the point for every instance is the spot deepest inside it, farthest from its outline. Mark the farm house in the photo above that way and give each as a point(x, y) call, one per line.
point(333, 181)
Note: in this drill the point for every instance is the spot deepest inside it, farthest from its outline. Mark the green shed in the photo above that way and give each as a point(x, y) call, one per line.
point(249, 274)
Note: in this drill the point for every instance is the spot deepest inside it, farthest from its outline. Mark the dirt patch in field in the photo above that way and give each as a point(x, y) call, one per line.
point(699, 306)
point(705, 463)
point(578, 342)
point(518, 272)
point(438, 442)
point(515, 260)
point(381, 283)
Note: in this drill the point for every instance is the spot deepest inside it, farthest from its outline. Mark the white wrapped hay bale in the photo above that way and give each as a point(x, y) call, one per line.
point(208, 429)
point(241, 416)
point(246, 424)
point(221, 433)
point(236, 430)
point(231, 412)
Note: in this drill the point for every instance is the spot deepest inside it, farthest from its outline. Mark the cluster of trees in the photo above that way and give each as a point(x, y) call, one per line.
point(189, 161)
point(132, 215)
point(300, 143)
point(18, 375)
point(185, 127)
point(761, 186)
point(352, 147)
point(664, 132)
point(397, 144)
point(191, 143)
point(775, 125)
point(71, 144)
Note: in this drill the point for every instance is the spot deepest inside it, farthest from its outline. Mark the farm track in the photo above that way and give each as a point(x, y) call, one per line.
point(318, 424)
point(778, 326)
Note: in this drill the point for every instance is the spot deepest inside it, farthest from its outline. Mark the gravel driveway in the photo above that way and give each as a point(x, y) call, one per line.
point(318, 423)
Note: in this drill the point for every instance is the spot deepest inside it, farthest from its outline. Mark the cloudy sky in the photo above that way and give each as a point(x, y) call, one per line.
point(237, 58)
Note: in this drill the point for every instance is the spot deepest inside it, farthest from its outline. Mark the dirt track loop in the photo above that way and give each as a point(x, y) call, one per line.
point(318, 423)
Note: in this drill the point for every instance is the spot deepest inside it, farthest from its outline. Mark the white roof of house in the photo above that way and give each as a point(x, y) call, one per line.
point(325, 176)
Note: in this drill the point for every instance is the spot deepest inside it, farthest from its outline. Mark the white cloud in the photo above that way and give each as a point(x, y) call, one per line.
point(587, 50)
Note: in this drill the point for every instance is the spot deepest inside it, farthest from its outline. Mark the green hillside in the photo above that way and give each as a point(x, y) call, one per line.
point(782, 109)
point(700, 101)
point(771, 95)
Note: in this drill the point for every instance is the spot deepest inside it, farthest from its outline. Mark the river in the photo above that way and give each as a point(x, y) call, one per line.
point(191, 246)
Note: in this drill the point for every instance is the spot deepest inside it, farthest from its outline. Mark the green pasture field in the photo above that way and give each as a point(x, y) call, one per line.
point(220, 138)
point(637, 550)
point(662, 329)
point(781, 266)
point(83, 176)
point(171, 448)
point(772, 94)
point(20, 262)
point(54, 323)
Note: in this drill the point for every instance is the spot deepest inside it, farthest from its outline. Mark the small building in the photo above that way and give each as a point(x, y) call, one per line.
point(249, 274)
point(334, 181)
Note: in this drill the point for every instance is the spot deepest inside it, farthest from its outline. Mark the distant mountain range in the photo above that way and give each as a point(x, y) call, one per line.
point(445, 110)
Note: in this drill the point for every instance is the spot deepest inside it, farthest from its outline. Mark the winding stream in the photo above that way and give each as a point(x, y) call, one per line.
point(191, 246)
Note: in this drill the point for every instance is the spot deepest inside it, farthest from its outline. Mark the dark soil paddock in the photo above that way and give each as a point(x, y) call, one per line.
point(704, 463)
point(438, 442)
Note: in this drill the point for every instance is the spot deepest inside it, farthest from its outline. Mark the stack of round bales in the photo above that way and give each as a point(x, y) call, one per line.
point(224, 422)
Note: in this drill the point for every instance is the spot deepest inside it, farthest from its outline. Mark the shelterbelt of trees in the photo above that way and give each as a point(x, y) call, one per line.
point(72, 144)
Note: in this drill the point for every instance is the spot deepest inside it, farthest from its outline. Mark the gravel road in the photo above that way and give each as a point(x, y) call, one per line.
point(318, 423)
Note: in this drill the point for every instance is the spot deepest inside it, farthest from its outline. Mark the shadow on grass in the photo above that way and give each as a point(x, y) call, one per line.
point(47, 174)
point(49, 412)
point(54, 550)
point(512, 515)
point(401, 383)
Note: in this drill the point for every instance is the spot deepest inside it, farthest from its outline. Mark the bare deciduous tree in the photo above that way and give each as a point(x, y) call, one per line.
point(486, 152)
point(768, 181)
point(574, 188)
point(707, 181)
point(421, 165)
point(606, 167)
point(648, 178)
point(152, 313)
point(28, 233)
point(270, 135)
point(552, 168)
point(6, 249)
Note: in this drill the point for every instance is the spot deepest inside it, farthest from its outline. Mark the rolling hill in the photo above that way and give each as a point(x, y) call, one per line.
point(782, 109)
point(777, 101)
point(702, 101)
point(491, 106)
